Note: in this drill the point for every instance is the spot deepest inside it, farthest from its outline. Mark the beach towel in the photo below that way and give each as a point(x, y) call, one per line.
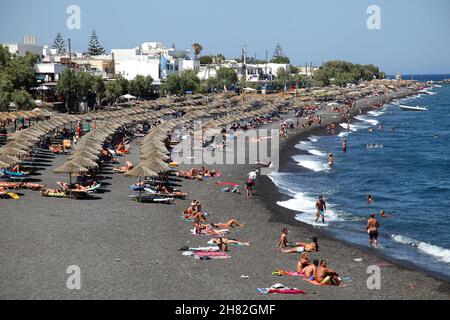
point(197, 234)
point(205, 249)
point(317, 283)
point(187, 220)
point(211, 255)
point(287, 273)
point(280, 289)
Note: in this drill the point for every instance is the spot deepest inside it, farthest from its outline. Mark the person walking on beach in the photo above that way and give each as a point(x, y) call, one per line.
point(250, 183)
point(372, 230)
point(320, 209)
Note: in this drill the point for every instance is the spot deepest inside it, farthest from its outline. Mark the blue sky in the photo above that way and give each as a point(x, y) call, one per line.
point(414, 34)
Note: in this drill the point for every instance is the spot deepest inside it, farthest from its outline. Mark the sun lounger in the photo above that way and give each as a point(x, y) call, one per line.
point(78, 194)
point(9, 195)
point(14, 173)
point(161, 194)
point(94, 188)
point(10, 185)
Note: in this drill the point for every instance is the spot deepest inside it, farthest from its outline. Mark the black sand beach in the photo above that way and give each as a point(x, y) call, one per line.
point(129, 250)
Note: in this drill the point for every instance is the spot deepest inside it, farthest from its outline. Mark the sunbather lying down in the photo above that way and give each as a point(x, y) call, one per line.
point(303, 246)
point(207, 229)
point(128, 166)
point(223, 243)
point(227, 225)
point(191, 174)
point(169, 191)
point(77, 186)
point(53, 192)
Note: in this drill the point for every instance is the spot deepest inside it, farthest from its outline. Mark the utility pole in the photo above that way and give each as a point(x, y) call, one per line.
point(266, 63)
point(70, 54)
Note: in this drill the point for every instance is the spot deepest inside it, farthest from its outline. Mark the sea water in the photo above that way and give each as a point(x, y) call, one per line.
point(403, 162)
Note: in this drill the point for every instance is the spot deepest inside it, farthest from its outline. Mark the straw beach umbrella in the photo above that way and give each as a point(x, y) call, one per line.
point(13, 151)
point(84, 154)
point(141, 172)
point(3, 165)
point(9, 159)
point(155, 165)
point(85, 162)
point(71, 168)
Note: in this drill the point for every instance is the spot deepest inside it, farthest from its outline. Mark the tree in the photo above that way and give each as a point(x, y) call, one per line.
point(5, 55)
point(283, 60)
point(67, 85)
point(95, 48)
point(342, 73)
point(140, 86)
point(172, 85)
point(20, 71)
point(22, 99)
point(226, 77)
point(197, 49)
point(114, 89)
point(59, 44)
point(189, 81)
point(16, 76)
point(5, 92)
point(206, 60)
point(85, 84)
point(220, 58)
point(99, 88)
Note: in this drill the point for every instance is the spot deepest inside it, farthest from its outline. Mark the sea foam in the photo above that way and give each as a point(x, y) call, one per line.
point(440, 253)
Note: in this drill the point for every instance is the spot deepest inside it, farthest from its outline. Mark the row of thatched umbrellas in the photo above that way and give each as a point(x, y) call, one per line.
point(21, 143)
point(154, 153)
point(31, 114)
point(88, 149)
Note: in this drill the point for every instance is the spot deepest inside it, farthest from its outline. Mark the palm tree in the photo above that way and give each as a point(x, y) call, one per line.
point(197, 49)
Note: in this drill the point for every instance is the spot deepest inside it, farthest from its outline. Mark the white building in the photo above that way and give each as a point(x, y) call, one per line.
point(252, 72)
point(28, 45)
point(49, 72)
point(152, 59)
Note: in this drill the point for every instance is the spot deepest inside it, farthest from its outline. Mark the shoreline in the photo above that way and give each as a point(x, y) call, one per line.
point(287, 150)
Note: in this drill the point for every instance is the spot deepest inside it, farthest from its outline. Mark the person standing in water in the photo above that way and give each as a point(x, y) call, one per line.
point(344, 145)
point(330, 160)
point(369, 199)
point(372, 230)
point(320, 209)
